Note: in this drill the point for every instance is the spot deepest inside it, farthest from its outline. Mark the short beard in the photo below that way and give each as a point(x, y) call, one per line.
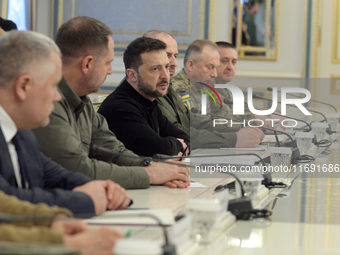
point(142, 86)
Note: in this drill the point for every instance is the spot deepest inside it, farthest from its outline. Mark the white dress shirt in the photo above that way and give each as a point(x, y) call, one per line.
point(9, 130)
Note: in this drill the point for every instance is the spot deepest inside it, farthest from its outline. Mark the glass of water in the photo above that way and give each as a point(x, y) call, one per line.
point(203, 214)
point(304, 141)
point(333, 120)
point(319, 129)
point(280, 156)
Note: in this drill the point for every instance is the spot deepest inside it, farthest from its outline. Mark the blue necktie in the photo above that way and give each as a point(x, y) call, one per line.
point(23, 171)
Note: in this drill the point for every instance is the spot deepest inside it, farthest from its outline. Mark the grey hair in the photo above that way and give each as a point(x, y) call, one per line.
point(195, 49)
point(19, 49)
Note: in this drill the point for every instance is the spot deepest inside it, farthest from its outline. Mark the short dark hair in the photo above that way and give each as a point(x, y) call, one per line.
point(223, 44)
point(251, 3)
point(132, 55)
point(7, 25)
point(82, 36)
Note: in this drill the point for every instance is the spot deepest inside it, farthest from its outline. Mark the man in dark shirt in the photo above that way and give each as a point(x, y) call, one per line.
point(131, 110)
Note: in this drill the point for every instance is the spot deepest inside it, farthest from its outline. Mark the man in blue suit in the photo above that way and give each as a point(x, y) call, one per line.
point(29, 75)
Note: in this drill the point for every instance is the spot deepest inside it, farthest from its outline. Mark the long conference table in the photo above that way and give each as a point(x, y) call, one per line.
point(305, 215)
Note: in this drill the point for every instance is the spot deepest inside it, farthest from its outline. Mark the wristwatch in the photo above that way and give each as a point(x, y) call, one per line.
point(147, 162)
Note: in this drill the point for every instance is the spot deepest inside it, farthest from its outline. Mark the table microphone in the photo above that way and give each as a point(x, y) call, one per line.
point(271, 89)
point(295, 151)
point(227, 101)
point(198, 111)
point(267, 178)
point(96, 150)
point(164, 157)
point(279, 102)
point(168, 248)
point(309, 127)
point(239, 207)
point(329, 130)
point(100, 152)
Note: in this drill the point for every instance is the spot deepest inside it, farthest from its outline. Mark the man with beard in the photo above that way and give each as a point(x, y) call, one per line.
point(170, 104)
point(131, 110)
point(87, 51)
point(172, 107)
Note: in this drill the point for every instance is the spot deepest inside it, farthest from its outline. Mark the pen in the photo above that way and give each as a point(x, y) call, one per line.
point(127, 234)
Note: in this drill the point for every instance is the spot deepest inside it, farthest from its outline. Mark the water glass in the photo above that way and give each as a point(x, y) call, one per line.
point(203, 214)
point(319, 129)
point(333, 120)
point(251, 186)
point(304, 141)
point(280, 156)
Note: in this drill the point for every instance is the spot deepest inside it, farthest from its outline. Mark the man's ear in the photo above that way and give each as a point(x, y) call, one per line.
point(22, 85)
point(190, 65)
point(87, 64)
point(131, 74)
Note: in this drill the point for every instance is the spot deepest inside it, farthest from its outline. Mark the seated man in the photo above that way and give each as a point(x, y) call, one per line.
point(87, 52)
point(172, 107)
point(131, 110)
point(51, 225)
point(200, 62)
point(225, 73)
point(29, 75)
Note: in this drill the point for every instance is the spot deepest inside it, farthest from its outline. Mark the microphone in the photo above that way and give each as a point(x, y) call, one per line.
point(163, 157)
point(100, 152)
point(168, 248)
point(197, 111)
point(329, 131)
point(310, 128)
point(267, 178)
point(227, 101)
point(279, 102)
point(236, 206)
point(270, 89)
point(295, 149)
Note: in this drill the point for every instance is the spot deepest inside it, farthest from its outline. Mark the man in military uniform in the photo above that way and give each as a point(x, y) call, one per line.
point(173, 108)
point(225, 73)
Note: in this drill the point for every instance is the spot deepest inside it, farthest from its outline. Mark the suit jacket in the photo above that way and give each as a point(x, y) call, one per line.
point(48, 182)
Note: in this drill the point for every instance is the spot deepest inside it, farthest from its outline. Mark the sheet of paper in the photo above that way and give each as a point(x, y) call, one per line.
point(133, 217)
point(271, 138)
point(260, 148)
point(197, 185)
point(223, 159)
point(193, 185)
